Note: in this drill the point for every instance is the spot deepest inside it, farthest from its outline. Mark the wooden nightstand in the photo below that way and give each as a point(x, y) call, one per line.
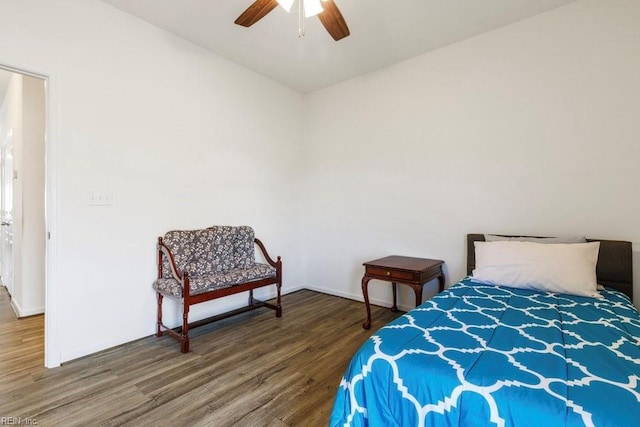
point(414, 272)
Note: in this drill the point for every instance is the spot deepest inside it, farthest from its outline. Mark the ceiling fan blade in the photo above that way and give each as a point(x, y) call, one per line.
point(333, 21)
point(256, 12)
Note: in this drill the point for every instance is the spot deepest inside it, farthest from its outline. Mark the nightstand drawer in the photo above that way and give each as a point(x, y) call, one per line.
point(391, 274)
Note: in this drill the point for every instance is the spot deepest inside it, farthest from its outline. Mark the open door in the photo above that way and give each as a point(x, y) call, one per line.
point(6, 214)
point(22, 198)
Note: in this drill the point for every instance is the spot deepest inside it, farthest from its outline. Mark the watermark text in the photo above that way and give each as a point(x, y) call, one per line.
point(18, 421)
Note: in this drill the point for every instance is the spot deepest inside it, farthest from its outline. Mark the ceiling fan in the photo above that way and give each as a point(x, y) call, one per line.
point(327, 12)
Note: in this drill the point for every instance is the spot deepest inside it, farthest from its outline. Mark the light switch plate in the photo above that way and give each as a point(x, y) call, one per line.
point(99, 198)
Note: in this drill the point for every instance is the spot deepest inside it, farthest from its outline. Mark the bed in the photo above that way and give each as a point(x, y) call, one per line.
point(483, 354)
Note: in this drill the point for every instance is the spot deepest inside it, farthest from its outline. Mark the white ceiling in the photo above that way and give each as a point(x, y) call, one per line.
point(383, 32)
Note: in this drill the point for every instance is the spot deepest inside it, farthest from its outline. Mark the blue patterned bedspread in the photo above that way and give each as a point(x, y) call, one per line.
point(479, 355)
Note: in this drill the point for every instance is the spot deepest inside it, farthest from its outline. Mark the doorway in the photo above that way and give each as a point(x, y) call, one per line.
point(6, 210)
point(22, 190)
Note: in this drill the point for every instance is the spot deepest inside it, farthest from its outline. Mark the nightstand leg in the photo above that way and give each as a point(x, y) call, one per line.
point(441, 283)
point(365, 293)
point(418, 291)
point(394, 286)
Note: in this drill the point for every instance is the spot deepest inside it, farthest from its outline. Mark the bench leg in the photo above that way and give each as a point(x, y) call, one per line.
point(159, 324)
point(278, 304)
point(184, 337)
point(251, 300)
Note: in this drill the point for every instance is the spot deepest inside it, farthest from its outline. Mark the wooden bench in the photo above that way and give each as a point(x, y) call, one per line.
point(195, 266)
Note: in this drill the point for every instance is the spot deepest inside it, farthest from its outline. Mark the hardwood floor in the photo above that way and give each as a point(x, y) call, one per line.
point(249, 370)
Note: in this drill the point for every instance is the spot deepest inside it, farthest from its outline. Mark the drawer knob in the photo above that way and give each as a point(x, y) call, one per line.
point(388, 273)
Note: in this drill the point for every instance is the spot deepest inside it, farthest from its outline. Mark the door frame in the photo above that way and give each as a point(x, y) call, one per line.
point(51, 333)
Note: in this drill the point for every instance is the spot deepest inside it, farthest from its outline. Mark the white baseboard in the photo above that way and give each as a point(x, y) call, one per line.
point(96, 348)
point(290, 290)
point(20, 312)
point(356, 297)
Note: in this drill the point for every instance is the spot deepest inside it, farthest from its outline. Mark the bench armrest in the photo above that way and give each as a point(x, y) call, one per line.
point(271, 262)
point(164, 250)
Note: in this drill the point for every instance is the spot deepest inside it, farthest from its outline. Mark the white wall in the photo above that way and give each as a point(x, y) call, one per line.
point(532, 128)
point(181, 137)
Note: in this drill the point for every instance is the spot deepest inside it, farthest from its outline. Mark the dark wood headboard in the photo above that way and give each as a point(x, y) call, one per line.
point(614, 268)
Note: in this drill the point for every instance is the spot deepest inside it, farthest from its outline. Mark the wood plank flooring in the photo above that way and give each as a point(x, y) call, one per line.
point(249, 370)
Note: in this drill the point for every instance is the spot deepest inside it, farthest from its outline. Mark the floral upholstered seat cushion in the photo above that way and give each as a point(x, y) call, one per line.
point(199, 285)
point(209, 251)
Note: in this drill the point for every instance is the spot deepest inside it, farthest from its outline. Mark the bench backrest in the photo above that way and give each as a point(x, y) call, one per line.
point(211, 250)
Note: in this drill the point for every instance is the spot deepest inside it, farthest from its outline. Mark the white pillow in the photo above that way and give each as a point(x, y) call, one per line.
point(567, 268)
point(569, 239)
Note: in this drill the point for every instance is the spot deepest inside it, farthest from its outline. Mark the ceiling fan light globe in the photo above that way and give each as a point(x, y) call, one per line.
point(286, 4)
point(312, 8)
